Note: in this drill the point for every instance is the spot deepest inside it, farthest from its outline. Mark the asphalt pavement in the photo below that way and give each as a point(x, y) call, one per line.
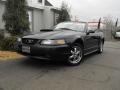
point(96, 72)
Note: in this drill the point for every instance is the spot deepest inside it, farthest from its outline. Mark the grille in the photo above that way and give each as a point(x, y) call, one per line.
point(29, 41)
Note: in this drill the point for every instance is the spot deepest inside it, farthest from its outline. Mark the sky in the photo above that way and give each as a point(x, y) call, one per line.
point(91, 10)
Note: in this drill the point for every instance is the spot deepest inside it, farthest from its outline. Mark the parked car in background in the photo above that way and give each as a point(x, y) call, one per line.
point(68, 41)
point(117, 35)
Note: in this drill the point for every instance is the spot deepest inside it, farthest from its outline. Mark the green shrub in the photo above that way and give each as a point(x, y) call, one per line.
point(8, 43)
point(1, 37)
point(1, 34)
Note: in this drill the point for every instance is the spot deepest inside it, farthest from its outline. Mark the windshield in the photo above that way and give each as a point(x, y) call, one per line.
point(71, 26)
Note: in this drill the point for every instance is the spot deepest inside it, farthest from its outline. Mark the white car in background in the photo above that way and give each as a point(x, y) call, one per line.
point(117, 35)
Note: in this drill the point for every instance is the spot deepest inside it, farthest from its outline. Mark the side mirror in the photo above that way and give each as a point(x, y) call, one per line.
point(90, 31)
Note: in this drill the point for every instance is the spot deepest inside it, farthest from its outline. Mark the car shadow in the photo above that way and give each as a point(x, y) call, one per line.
point(36, 63)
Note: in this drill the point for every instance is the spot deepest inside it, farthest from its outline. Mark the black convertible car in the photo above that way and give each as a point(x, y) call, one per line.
point(68, 41)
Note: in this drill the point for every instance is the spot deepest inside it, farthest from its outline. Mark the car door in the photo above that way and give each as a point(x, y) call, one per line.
point(91, 42)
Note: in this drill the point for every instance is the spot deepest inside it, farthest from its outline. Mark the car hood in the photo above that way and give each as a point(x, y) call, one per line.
point(52, 34)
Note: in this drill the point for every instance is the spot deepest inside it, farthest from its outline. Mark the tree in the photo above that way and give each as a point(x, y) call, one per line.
point(16, 17)
point(109, 27)
point(109, 23)
point(64, 14)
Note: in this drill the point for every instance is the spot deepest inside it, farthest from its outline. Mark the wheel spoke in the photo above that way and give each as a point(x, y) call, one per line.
point(75, 50)
point(78, 52)
point(72, 52)
point(72, 56)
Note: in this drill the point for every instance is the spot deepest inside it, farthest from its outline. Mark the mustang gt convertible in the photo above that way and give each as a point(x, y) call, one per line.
point(68, 41)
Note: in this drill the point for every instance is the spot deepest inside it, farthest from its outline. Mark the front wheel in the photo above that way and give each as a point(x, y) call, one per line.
point(76, 55)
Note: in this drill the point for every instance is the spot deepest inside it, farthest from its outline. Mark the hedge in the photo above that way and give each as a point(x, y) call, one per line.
point(8, 43)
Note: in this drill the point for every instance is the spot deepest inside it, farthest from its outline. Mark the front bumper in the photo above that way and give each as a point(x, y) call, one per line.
point(46, 52)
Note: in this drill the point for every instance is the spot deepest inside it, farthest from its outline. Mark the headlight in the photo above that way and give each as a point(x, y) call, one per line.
point(53, 42)
point(19, 39)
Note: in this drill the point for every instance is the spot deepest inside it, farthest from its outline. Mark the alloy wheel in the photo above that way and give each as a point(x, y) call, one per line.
point(76, 55)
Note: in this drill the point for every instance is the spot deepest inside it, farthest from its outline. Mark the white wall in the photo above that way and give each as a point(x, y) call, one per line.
point(38, 20)
point(42, 19)
point(48, 17)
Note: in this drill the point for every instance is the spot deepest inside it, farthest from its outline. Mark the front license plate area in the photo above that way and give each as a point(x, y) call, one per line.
point(26, 49)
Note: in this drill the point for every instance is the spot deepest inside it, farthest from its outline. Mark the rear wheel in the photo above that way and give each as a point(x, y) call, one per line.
point(76, 55)
point(100, 49)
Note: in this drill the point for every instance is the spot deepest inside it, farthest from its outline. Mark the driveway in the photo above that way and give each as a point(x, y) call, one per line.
point(96, 72)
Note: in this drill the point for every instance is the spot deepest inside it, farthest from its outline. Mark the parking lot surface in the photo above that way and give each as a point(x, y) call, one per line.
point(96, 72)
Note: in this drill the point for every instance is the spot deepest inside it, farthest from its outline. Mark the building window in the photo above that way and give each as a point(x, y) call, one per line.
point(40, 1)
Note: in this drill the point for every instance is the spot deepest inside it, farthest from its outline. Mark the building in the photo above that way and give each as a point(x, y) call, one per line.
point(42, 14)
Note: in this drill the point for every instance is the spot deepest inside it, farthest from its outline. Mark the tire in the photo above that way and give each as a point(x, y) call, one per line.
point(100, 48)
point(76, 55)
